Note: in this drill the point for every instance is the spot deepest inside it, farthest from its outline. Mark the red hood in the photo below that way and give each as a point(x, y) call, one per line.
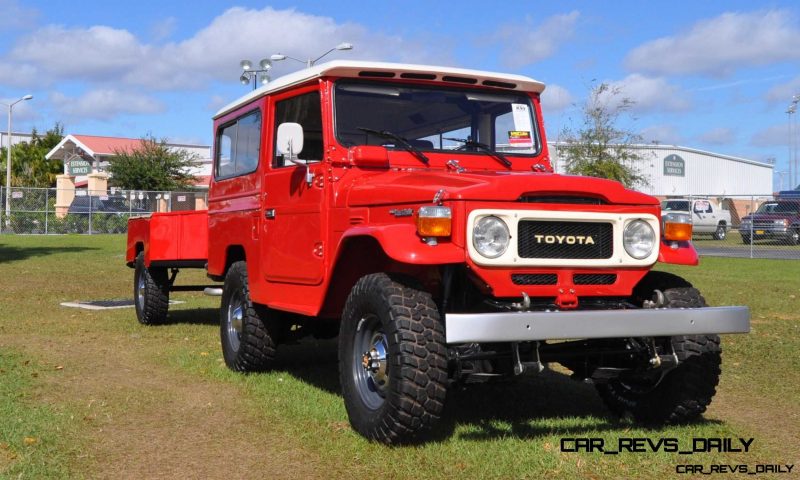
point(393, 187)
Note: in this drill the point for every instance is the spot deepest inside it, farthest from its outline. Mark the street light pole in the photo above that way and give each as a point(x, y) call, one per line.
point(793, 173)
point(259, 75)
point(8, 158)
point(311, 61)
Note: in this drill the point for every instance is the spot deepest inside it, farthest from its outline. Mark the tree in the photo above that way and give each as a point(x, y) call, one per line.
point(152, 165)
point(600, 148)
point(29, 167)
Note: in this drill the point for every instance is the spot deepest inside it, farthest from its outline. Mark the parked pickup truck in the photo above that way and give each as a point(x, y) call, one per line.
point(413, 211)
point(778, 219)
point(704, 215)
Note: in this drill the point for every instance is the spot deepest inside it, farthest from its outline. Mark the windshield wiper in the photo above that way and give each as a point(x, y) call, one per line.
point(484, 148)
point(402, 141)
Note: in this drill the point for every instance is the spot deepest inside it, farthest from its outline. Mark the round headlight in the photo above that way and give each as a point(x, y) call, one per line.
point(491, 237)
point(639, 239)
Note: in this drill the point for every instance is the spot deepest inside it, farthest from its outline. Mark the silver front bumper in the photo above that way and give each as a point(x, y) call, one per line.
point(529, 326)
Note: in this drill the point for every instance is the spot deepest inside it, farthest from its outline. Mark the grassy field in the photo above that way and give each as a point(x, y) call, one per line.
point(93, 394)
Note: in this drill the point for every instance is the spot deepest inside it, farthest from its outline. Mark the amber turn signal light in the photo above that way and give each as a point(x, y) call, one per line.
point(434, 221)
point(677, 231)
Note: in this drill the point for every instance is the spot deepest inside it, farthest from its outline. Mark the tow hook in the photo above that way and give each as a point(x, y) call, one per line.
point(658, 301)
point(524, 305)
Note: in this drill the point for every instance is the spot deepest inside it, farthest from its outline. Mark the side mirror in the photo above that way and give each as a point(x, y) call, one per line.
point(289, 141)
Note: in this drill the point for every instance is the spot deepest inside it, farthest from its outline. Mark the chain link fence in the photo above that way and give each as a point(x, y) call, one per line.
point(745, 226)
point(37, 210)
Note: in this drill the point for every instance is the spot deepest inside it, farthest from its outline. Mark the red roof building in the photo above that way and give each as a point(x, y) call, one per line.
point(98, 149)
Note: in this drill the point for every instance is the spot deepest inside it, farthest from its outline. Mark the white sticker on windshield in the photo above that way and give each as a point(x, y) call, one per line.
point(522, 117)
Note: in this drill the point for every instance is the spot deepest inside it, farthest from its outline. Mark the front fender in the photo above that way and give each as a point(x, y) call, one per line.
point(685, 254)
point(402, 244)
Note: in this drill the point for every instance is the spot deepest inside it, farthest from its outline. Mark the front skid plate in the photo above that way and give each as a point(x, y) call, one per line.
point(556, 325)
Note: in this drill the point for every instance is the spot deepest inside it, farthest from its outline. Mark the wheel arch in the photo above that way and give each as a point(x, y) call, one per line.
point(361, 255)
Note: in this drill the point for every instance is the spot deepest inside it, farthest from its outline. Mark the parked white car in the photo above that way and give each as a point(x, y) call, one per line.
point(705, 216)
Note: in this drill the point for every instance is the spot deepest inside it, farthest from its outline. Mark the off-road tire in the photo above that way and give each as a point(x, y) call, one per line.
point(252, 347)
point(685, 392)
point(747, 239)
point(794, 237)
point(721, 232)
point(414, 383)
point(150, 293)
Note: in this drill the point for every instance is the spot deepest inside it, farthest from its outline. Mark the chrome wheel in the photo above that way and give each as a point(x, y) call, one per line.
point(141, 291)
point(370, 362)
point(234, 321)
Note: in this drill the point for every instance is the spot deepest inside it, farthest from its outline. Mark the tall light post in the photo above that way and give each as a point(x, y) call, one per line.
point(257, 76)
point(8, 157)
point(791, 110)
point(310, 62)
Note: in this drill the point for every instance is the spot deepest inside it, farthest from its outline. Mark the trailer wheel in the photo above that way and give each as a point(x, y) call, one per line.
point(150, 293)
point(682, 394)
point(247, 332)
point(392, 360)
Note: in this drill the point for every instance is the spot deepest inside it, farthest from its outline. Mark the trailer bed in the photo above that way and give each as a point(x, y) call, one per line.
point(173, 239)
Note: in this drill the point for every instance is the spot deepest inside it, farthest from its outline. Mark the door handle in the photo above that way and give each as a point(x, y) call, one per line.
point(269, 213)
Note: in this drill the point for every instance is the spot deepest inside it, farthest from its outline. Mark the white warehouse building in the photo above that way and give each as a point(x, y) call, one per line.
point(679, 171)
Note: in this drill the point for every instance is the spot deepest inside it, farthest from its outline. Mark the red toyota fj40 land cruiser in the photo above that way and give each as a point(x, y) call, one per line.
point(413, 211)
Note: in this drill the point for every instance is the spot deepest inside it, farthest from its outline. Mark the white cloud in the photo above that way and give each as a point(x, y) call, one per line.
point(662, 134)
point(649, 94)
point(774, 136)
point(555, 98)
point(15, 16)
point(104, 104)
point(96, 53)
point(784, 91)
point(105, 55)
point(17, 75)
point(524, 44)
point(718, 136)
point(162, 28)
point(721, 45)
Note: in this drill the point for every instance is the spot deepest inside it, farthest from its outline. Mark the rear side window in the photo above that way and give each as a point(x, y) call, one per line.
point(238, 146)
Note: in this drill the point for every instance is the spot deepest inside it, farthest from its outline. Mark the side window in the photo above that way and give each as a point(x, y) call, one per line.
point(238, 146)
point(306, 110)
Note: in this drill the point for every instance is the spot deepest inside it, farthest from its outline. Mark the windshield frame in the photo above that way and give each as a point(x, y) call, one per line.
point(536, 134)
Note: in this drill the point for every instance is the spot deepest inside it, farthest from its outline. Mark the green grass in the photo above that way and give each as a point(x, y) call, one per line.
point(734, 240)
point(34, 438)
point(505, 430)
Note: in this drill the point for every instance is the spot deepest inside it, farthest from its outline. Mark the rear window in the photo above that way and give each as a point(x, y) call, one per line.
point(679, 205)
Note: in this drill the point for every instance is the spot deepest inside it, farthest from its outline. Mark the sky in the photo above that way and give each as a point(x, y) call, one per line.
point(710, 75)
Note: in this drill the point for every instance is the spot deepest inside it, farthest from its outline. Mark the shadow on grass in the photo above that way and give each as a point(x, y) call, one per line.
point(15, 254)
point(193, 316)
point(520, 408)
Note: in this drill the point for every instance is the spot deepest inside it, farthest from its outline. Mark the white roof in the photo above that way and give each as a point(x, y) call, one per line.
point(348, 68)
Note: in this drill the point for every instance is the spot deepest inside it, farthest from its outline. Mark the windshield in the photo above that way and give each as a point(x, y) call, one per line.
point(435, 118)
point(775, 207)
point(680, 205)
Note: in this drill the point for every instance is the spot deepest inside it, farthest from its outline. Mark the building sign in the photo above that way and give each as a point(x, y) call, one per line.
point(78, 167)
point(674, 166)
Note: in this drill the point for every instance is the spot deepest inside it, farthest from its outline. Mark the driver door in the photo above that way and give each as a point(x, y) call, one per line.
point(292, 210)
